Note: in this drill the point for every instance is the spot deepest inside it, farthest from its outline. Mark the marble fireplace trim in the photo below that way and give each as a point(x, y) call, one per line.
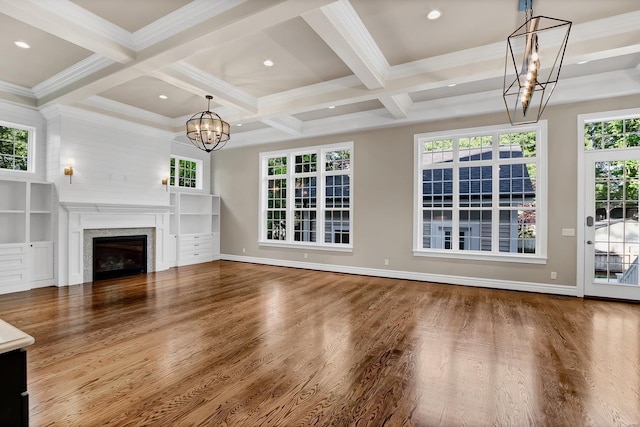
point(88, 220)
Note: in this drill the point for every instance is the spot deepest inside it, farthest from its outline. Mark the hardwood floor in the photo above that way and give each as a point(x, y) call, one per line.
point(236, 344)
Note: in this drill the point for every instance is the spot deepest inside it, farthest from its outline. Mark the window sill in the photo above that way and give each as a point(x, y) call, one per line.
point(522, 259)
point(311, 247)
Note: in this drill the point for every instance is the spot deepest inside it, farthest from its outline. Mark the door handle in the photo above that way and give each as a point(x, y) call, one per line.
point(589, 221)
point(589, 242)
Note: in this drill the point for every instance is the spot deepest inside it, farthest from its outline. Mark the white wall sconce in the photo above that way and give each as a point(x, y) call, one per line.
point(165, 182)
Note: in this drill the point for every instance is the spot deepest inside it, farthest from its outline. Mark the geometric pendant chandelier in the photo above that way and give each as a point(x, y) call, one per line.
point(532, 66)
point(207, 131)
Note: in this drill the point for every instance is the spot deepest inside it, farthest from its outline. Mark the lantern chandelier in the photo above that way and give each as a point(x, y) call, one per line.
point(532, 67)
point(207, 131)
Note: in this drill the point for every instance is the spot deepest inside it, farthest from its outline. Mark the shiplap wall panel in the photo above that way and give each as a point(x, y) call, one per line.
point(113, 164)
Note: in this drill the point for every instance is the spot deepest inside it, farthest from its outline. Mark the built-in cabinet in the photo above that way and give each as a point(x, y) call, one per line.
point(195, 223)
point(26, 235)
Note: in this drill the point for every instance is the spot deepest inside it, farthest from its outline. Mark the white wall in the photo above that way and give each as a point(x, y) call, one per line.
point(115, 162)
point(383, 194)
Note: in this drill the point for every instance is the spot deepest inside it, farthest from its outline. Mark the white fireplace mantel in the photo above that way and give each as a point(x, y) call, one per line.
point(84, 216)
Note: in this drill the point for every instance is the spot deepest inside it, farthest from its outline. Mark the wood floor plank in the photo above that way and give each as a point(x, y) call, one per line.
point(227, 343)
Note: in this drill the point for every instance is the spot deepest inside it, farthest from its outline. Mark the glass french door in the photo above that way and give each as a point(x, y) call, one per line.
point(612, 246)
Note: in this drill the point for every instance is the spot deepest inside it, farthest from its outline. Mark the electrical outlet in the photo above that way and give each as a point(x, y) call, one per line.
point(244, 250)
point(386, 262)
point(554, 275)
point(305, 255)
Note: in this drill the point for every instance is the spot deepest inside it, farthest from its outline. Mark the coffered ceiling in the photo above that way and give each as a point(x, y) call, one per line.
point(338, 65)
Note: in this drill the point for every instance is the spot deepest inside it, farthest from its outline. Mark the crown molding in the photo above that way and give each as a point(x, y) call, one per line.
point(127, 110)
point(16, 90)
point(79, 70)
point(70, 11)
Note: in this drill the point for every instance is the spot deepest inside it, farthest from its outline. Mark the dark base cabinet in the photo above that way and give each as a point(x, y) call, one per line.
point(14, 399)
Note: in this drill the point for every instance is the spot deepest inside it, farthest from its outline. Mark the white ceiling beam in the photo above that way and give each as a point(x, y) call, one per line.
point(604, 85)
point(194, 80)
point(287, 124)
point(341, 28)
point(74, 24)
point(397, 105)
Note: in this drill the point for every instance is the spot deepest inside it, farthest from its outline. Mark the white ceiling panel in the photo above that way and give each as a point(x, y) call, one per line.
point(300, 58)
point(47, 56)
point(378, 62)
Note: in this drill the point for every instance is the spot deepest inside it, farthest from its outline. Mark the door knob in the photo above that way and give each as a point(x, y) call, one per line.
point(589, 242)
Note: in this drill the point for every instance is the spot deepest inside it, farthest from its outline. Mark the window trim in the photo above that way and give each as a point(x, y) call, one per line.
point(290, 176)
point(31, 148)
point(540, 257)
point(199, 172)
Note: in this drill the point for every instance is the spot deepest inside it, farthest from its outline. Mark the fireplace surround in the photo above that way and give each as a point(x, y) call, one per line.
point(88, 220)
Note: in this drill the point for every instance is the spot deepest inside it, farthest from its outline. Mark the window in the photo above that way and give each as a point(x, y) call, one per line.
point(612, 134)
point(306, 197)
point(16, 146)
point(185, 172)
point(480, 193)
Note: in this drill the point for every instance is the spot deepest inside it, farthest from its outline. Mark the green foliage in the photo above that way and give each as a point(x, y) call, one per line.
point(441, 145)
point(338, 160)
point(14, 148)
point(306, 163)
point(277, 166)
point(612, 134)
point(615, 180)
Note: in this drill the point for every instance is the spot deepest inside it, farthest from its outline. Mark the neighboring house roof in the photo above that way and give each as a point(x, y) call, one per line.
point(336, 187)
point(477, 180)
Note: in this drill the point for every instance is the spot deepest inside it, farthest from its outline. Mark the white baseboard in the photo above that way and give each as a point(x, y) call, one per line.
point(411, 275)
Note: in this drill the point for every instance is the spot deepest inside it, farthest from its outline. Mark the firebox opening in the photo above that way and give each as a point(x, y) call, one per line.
point(119, 256)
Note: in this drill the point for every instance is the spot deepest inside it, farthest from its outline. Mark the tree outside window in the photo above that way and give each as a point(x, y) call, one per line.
point(478, 192)
point(14, 148)
point(316, 209)
point(185, 172)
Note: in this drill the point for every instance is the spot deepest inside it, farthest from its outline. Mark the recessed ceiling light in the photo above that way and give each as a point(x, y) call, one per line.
point(331, 107)
point(163, 96)
point(239, 125)
point(452, 85)
point(583, 62)
point(434, 14)
point(268, 63)
point(22, 45)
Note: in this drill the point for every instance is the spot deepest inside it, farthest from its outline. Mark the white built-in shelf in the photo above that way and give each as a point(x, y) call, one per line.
point(195, 220)
point(26, 234)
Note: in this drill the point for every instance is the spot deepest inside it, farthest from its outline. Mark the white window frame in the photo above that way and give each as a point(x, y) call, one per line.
point(540, 256)
point(290, 177)
point(31, 148)
point(176, 177)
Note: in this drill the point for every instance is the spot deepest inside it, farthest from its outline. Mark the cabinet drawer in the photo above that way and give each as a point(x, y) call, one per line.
point(194, 257)
point(195, 246)
point(194, 242)
point(12, 250)
point(12, 259)
point(194, 237)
